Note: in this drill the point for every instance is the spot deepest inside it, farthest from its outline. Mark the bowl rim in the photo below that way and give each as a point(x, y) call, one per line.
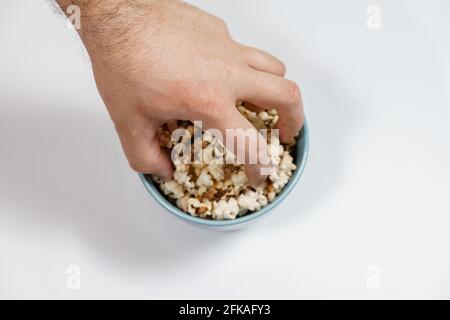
point(169, 206)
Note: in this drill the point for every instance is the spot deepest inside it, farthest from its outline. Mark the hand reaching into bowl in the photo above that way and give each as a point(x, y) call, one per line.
point(160, 60)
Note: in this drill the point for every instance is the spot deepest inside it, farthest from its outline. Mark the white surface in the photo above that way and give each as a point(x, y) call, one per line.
point(375, 191)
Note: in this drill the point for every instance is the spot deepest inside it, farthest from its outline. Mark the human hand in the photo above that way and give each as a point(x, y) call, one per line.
point(155, 61)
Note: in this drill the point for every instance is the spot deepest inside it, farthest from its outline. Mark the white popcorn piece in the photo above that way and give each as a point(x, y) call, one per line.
point(262, 199)
point(238, 180)
point(183, 204)
point(216, 171)
point(172, 189)
point(208, 155)
point(185, 137)
point(286, 163)
point(230, 158)
point(224, 210)
point(279, 179)
point(209, 137)
point(193, 204)
point(274, 154)
point(249, 201)
point(180, 154)
point(204, 180)
point(252, 200)
point(184, 179)
point(201, 190)
point(264, 116)
point(270, 117)
point(271, 196)
point(199, 209)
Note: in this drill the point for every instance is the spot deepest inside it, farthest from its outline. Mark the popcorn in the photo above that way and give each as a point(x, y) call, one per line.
point(193, 204)
point(216, 171)
point(172, 189)
point(183, 204)
point(238, 180)
point(225, 210)
point(252, 200)
point(183, 178)
point(216, 187)
point(287, 162)
point(204, 179)
point(264, 116)
point(197, 208)
point(280, 175)
point(249, 201)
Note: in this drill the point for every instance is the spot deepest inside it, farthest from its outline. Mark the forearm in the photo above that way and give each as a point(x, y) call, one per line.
point(107, 25)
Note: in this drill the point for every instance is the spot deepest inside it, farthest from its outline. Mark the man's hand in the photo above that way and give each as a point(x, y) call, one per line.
point(160, 60)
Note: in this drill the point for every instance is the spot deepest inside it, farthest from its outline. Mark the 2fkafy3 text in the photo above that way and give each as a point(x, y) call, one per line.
point(225, 309)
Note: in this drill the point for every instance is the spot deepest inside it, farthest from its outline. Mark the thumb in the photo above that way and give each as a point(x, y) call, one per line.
point(141, 147)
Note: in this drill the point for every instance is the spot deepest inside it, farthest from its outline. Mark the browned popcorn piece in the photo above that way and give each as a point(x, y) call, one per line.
point(211, 193)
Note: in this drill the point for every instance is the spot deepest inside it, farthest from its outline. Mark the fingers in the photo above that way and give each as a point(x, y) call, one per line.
point(142, 149)
point(241, 137)
point(263, 61)
point(270, 91)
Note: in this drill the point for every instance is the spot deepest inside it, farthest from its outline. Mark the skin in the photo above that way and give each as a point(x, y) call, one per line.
point(160, 60)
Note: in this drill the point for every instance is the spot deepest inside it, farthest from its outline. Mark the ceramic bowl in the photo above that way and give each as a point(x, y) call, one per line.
point(300, 154)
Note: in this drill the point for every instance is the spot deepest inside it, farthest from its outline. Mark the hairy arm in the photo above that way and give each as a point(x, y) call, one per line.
point(160, 60)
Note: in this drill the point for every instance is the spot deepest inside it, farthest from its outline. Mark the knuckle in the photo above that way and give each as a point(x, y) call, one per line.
point(292, 93)
point(201, 101)
point(142, 164)
point(138, 167)
point(193, 95)
point(209, 111)
point(206, 105)
point(221, 23)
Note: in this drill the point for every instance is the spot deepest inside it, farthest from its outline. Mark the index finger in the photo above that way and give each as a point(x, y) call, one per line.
point(271, 91)
point(243, 139)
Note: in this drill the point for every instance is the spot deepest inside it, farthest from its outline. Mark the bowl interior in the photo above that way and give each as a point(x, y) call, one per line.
point(299, 153)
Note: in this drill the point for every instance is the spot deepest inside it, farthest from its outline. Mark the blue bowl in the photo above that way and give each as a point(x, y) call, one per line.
point(300, 154)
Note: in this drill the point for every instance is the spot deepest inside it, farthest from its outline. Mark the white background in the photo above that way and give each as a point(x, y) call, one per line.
point(375, 191)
